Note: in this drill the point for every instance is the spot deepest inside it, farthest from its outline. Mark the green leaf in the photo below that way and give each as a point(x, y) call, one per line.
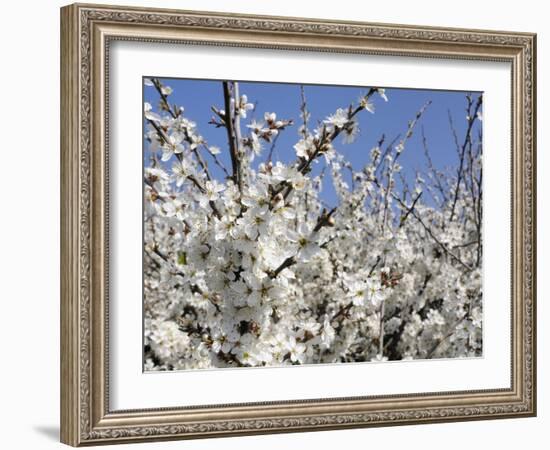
point(182, 258)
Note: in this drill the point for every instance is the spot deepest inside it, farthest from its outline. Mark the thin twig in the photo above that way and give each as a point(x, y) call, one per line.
point(325, 219)
point(467, 137)
point(229, 126)
point(303, 109)
point(429, 231)
point(435, 174)
point(272, 148)
point(193, 179)
point(216, 160)
point(447, 336)
point(398, 153)
point(409, 210)
point(164, 97)
point(303, 165)
point(438, 242)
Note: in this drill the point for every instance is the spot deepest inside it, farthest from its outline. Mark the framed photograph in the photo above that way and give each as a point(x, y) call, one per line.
point(281, 224)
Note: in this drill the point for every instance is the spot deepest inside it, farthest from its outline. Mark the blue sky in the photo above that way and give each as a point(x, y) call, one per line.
point(390, 118)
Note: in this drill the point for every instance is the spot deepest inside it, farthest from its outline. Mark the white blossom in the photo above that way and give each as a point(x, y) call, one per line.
point(338, 119)
point(262, 272)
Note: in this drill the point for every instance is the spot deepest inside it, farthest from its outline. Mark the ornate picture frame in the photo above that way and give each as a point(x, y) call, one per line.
point(87, 31)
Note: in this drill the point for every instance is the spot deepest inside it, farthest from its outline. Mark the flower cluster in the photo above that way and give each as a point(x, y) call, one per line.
point(254, 269)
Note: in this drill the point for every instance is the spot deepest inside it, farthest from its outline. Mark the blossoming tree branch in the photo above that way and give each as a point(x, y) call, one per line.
point(253, 268)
